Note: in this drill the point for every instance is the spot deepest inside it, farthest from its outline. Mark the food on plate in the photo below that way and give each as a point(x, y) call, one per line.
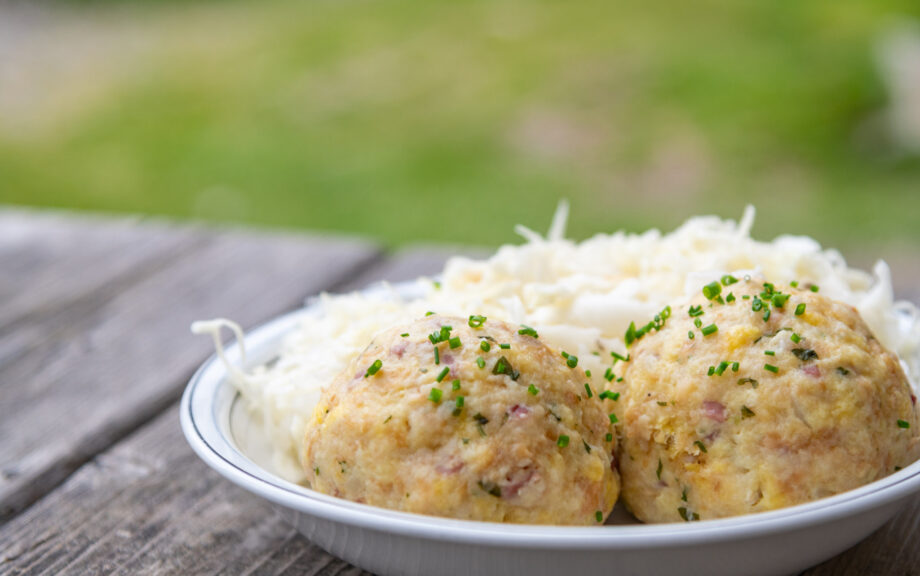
point(582, 298)
point(754, 397)
point(468, 418)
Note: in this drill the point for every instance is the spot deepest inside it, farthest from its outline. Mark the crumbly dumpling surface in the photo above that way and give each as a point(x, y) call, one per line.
point(525, 444)
point(789, 399)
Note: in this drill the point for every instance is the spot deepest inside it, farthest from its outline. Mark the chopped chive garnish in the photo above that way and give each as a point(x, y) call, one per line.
point(533, 390)
point(480, 362)
point(437, 356)
point(903, 424)
point(608, 395)
point(698, 323)
point(528, 331)
point(374, 368)
point(728, 280)
point(505, 346)
point(588, 390)
point(771, 368)
point(455, 384)
point(660, 403)
point(712, 290)
point(708, 330)
point(485, 346)
point(769, 352)
point(683, 495)
point(814, 288)
point(701, 446)
point(609, 375)
point(599, 516)
point(751, 381)
point(490, 487)
point(794, 283)
point(735, 366)
point(766, 314)
point(571, 361)
point(695, 311)
point(404, 334)
point(613, 418)
point(435, 395)
point(842, 371)
point(757, 305)
point(563, 441)
point(746, 412)
point(619, 357)
point(687, 516)
point(588, 373)
point(443, 373)
point(454, 342)
point(658, 471)
point(721, 369)
point(390, 417)
point(690, 335)
point(476, 321)
point(805, 354)
point(800, 309)
point(429, 313)
point(630, 336)
point(712, 370)
point(730, 298)
point(459, 402)
point(608, 437)
point(779, 300)
point(503, 366)
point(795, 338)
point(746, 297)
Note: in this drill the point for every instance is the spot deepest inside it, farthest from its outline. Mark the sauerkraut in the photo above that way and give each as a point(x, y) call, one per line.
point(580, 296)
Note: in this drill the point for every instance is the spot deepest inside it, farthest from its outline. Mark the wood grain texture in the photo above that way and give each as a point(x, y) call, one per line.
point(97, 342)
point(150, 506)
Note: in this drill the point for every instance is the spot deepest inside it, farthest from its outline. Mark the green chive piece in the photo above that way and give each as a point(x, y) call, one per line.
point(751, 381)
point(730, 298)
point(709, 330)
point(903, 424)
point(712, 290)
point(771, 368)
point(437, 357)
point(698, 323)
point(795, 338)
point(779, 300)
point(528, 331)
point(405, 334)
point(455, 384)
point(690, 335)
point(728, 280)
point(435, 395)
point(609, 375)
point(608, 437)
point(712, 370)
point(459, 402)
point(746, 412)
point(735, 366)
point(794, 283)
point(563, 441)
point(660, 403)
point(571, 361)
point(588, 390)
point(429, 313)
point(630, 336)
point(476, 321)
point(721, 369)
point(485, 346)
point(687, 516)
point(505, 346)
point(658, 471)
point(766, 314)
point(443, 373)
point(683, 495)
point(769, 352)
point(613, 418)
point(695, 311)
point(533, 390)
point(503, 366)
point(701, 446)
point(599, 516)
point(587, 448)
point(588, 373)
point(454, 342)
point(480, 362)
point(374, 368)
point(608, 395)
point(814, 288)
point(800, 309)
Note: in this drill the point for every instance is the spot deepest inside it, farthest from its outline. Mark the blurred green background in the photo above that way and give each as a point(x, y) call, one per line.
point(411, 121)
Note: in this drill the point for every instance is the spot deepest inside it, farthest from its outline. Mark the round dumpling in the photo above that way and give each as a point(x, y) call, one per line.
point(749, 398)
point(470, 419)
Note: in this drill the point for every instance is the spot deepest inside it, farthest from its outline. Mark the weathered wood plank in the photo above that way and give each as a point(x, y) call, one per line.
point(76, 378)
point(149, 505)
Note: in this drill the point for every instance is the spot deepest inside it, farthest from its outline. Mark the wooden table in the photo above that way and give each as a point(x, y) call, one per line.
point(95, 349)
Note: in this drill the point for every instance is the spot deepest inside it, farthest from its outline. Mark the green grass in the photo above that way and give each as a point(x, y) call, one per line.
point(416, 121)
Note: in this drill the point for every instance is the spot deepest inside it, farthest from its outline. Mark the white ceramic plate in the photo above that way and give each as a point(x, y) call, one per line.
point(387, 542)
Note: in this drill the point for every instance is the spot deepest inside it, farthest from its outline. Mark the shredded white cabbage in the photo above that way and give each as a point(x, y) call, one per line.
point(580, 297)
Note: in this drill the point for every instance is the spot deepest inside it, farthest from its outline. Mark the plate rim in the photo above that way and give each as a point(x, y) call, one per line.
point(203, 433)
